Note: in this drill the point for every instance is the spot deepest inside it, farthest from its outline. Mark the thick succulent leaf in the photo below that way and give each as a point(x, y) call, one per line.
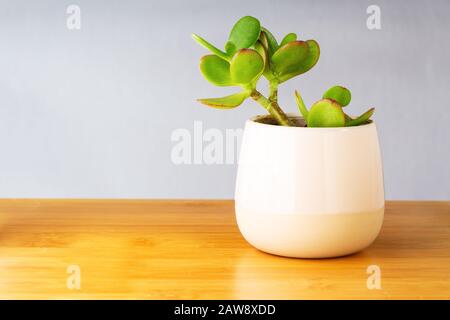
point(216, 70)
point(245, 32)
point(246, 66)
point(210, 47)
point(326, 113)
point(347, 118)
point(228, 102)
point(306, 64)
point(262, 42)
point(262, 52)
point(339, 94)
point(272, 43)
point(301, 105)
point(289, 58)
point(230, 48)
point(288, 38)
point(362, 119)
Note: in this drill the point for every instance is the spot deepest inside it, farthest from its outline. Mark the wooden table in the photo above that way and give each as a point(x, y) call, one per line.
point(161, 249)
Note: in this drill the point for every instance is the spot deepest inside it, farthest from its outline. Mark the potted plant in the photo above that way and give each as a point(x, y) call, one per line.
point(308, 186)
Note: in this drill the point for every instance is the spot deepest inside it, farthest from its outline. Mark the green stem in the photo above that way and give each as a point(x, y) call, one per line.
point(273, 94)
point(272, 107)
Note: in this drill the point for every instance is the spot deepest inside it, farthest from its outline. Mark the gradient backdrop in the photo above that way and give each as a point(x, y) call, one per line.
point(90, 112)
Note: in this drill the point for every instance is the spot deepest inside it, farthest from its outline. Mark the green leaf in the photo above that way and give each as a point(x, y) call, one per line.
point(288, 38)
point(210, 47)
point(326, 113)
point(263, 40)
point(228, 102)
point(339, 94)
point(289, 58)
point(230, 48)
point(261, 45)
point(301, 106)
point(262, 52)
point(347, 118)
point(216, 70)
point(245, 32)
point(246, 66)
point(362, 119)
point(272, 44)
point(306, 64)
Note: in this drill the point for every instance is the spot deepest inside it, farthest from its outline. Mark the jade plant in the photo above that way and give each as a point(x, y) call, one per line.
point(252, 52)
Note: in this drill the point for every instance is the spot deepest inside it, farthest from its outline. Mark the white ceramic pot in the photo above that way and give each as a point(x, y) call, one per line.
point(309, 192)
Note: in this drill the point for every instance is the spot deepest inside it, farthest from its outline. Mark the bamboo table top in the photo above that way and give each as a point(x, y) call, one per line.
point(192, 249)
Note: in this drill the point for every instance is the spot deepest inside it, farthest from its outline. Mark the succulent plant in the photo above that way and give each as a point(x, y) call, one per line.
point(252, 52)
point(328, 111)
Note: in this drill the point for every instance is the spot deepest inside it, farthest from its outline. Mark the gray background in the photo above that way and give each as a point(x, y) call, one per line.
point(90, 113)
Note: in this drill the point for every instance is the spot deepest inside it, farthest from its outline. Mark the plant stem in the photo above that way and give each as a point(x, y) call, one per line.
point(271, 106)
point(273, 94)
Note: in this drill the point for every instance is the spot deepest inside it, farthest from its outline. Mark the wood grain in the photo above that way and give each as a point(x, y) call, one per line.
point(161, 249)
